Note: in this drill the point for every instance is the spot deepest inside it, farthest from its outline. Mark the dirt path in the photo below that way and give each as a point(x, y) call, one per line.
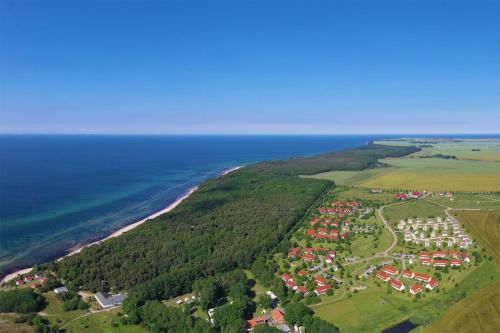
point(88, 314)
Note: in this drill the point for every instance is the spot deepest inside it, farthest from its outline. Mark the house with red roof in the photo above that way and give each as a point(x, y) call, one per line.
point(425, 262)
point(391, 270)
point(455, 263)
point(308, 257)
point(311, 232)
point(254, 322)
point(308, 250)
point(28, 278)
point(19, 282)
point(454, 254)
point(438, 254)
point(382, 276)
point(36, 285)
point(292, 285)
point(278, 316)
point(396, 284)
point(285, 277)
point(332, 253)
point(322, 289)
point(302, 290)
point(321, 236)
point(440, 263)
point(302, 273)
point(400, 196)
point(292, 255)
point(422, 277)
point(321, 281)
point(433, 283)
point(465, 257)
point(417, 288)
point(408, 274)
point(424, 255)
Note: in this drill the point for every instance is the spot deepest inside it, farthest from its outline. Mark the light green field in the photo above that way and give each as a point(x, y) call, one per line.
point(424, 174)
point(489, 149)
point(101, 322)
point(484, 227)
point(412, 209)
point(478, 313)
point(362, 194)
point(8, 325)
point(374, 309)
point(469, 201)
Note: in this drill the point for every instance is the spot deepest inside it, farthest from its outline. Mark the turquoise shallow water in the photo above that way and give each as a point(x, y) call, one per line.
point(60, 192)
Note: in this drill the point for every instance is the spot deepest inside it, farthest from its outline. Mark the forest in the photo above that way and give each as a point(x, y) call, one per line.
point(227, 223)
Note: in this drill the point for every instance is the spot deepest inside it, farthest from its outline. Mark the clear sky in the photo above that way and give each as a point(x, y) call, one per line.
point(236, 66)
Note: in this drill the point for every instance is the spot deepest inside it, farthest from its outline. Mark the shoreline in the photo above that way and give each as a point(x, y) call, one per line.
point(120, 231)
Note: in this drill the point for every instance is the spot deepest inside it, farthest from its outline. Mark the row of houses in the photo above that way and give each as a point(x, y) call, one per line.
point(36, 281)
point(409, 195)
point(438, 261)
point(397, 284)
point(321, 282)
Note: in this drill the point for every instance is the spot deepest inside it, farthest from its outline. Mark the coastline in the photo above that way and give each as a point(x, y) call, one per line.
point(120, 231)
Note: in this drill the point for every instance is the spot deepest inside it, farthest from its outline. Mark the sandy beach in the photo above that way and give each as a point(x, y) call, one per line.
point(122, 230)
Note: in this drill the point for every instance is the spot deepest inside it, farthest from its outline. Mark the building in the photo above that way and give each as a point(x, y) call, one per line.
point(292, 285)
point(322, 290)
point(302, 290)
point(61, 290)
point(308, 257)
point(417, 288)
point(422, 277)
point(278, 316)
point(438, 254)
point(425, 262)
point(285, 277)
point(424, 255)
point(254, 322)
point(106, 301)
point(455, 263)
point(391, 270)
point(398, 285)
point(321, 281)
point(302, 273)
point(382, 276)
point(408, 274)
point(440, 263)
point(433, 283)
point(19, 282)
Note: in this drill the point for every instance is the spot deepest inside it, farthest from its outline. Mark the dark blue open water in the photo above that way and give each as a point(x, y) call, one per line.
point(58, 192)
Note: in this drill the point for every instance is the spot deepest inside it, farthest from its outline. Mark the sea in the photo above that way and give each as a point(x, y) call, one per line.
point(59, 192)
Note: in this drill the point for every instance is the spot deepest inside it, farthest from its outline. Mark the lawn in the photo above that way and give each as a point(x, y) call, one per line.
point(8, 325)
point(54, 311)
point(484, 227)
point(362, 194)
point(424, 174)
point(102, 322)
point(470, 201)
point(412, 209)
point(477, 313)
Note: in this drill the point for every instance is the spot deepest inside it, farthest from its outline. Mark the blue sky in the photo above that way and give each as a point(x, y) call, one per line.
point(328, 67)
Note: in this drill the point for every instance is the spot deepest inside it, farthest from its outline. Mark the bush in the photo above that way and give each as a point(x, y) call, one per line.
point(21, 300)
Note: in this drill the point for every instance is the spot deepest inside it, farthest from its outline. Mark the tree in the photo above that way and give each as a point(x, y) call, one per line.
point(296, 312)
point(264, 301)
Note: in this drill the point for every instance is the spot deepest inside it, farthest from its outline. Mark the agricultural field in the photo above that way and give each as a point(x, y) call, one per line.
point(469, 201)
point(471, 171)
point(477, 313)
point(484, 227)
point(473, 149)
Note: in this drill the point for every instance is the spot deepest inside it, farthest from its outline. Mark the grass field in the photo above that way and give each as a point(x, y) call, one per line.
point(478, 313)
point(470, 201)
point(102, 322)
point(489, 150)
point(431, 174)
point(484, 227)
point(412, 209)
point(7, 324)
